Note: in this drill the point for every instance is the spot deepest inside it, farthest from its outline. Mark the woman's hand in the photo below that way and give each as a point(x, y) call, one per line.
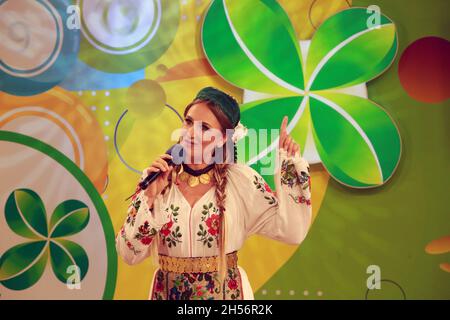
point(155, 188)
point(286, 141)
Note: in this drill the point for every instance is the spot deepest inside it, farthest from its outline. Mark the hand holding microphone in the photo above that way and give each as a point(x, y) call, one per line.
point(155, 177)
point(155, 187)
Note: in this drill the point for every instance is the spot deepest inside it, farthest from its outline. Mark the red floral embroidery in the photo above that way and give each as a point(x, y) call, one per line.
point(308, 201)
point(207, 234)
point(170, 232)
point(301, 199)
point(159, 286)
point(197, 286)
point(200, 291)
point(165, 230)
point(262, 186)
point(232, 284)
point(213, 224)
point(146, 240)
point(145, 233)
point(128, 242)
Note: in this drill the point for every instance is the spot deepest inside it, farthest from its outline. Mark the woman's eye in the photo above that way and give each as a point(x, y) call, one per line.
point(205, 128)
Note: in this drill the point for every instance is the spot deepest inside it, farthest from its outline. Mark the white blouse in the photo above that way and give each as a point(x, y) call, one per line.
point(251, 207)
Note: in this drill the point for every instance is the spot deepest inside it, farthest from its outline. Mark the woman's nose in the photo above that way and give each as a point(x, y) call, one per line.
point(190, 132)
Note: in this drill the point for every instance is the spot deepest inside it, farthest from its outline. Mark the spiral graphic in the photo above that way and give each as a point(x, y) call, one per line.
point(119, 36)
point(37, 50)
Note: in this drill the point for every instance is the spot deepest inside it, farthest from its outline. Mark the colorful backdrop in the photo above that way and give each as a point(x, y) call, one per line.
point(86, 86)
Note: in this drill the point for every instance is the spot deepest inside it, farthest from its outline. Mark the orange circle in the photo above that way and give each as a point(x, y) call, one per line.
point(70, 116)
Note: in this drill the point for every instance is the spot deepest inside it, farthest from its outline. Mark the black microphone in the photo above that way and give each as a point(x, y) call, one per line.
point(177, 153)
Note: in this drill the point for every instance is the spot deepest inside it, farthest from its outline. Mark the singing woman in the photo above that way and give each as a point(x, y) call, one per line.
point(196, 216)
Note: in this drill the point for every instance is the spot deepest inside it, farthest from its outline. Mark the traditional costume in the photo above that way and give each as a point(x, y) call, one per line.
point(187, 237)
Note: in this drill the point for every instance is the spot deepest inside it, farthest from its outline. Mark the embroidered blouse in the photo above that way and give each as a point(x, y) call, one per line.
point(251, 207)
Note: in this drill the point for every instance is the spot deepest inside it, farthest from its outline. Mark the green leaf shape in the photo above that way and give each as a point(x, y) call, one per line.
point(356, 139)
point(39, 146)
point(345, 51)
point(23, 265)
point(265, 114)
point(65, 253)
point(25, 214)
point(277, 43)
point(256, 53)
point(68, 218)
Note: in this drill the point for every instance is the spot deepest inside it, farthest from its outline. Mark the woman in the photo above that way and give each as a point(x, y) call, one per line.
point(196, 216)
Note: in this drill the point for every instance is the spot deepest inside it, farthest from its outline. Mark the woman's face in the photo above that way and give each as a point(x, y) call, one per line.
point(202, 132)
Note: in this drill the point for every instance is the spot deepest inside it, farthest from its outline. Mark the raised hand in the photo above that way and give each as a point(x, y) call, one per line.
point(286, 142)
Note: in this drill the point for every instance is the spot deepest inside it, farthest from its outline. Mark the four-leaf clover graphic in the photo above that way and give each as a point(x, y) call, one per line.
point(23, 265)
point(252, 44)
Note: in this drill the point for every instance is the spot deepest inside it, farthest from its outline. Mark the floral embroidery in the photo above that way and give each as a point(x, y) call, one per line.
point(165, 230)
point(133, 209)
point(232, 289)
point(290, 177)
point(136, 203)
point(131, 218)
point(307, 185)
point(196, 286)
point(300, 199)
point(145, 233)
point(210, 218)
point(128, 243)
point(262, 186)
point(159, 286)
point(169, 236)
point(213, 224)
point(304, 179)
point(174, 212)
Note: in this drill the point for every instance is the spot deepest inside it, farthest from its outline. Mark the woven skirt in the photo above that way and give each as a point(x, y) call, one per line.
point(196, 279)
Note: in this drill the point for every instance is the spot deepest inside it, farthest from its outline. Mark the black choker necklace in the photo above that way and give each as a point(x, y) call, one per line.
point(199, 172)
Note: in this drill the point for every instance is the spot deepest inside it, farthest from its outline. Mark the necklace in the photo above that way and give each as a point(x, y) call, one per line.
point(194, 177)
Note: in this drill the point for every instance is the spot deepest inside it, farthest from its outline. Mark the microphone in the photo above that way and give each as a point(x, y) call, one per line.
point(178, 154)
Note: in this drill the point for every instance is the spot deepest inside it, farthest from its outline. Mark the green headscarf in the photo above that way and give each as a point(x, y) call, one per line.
point(227, 103)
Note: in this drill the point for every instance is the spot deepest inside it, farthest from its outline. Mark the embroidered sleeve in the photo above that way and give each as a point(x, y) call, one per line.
point(139, 229)
point(284, 215)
